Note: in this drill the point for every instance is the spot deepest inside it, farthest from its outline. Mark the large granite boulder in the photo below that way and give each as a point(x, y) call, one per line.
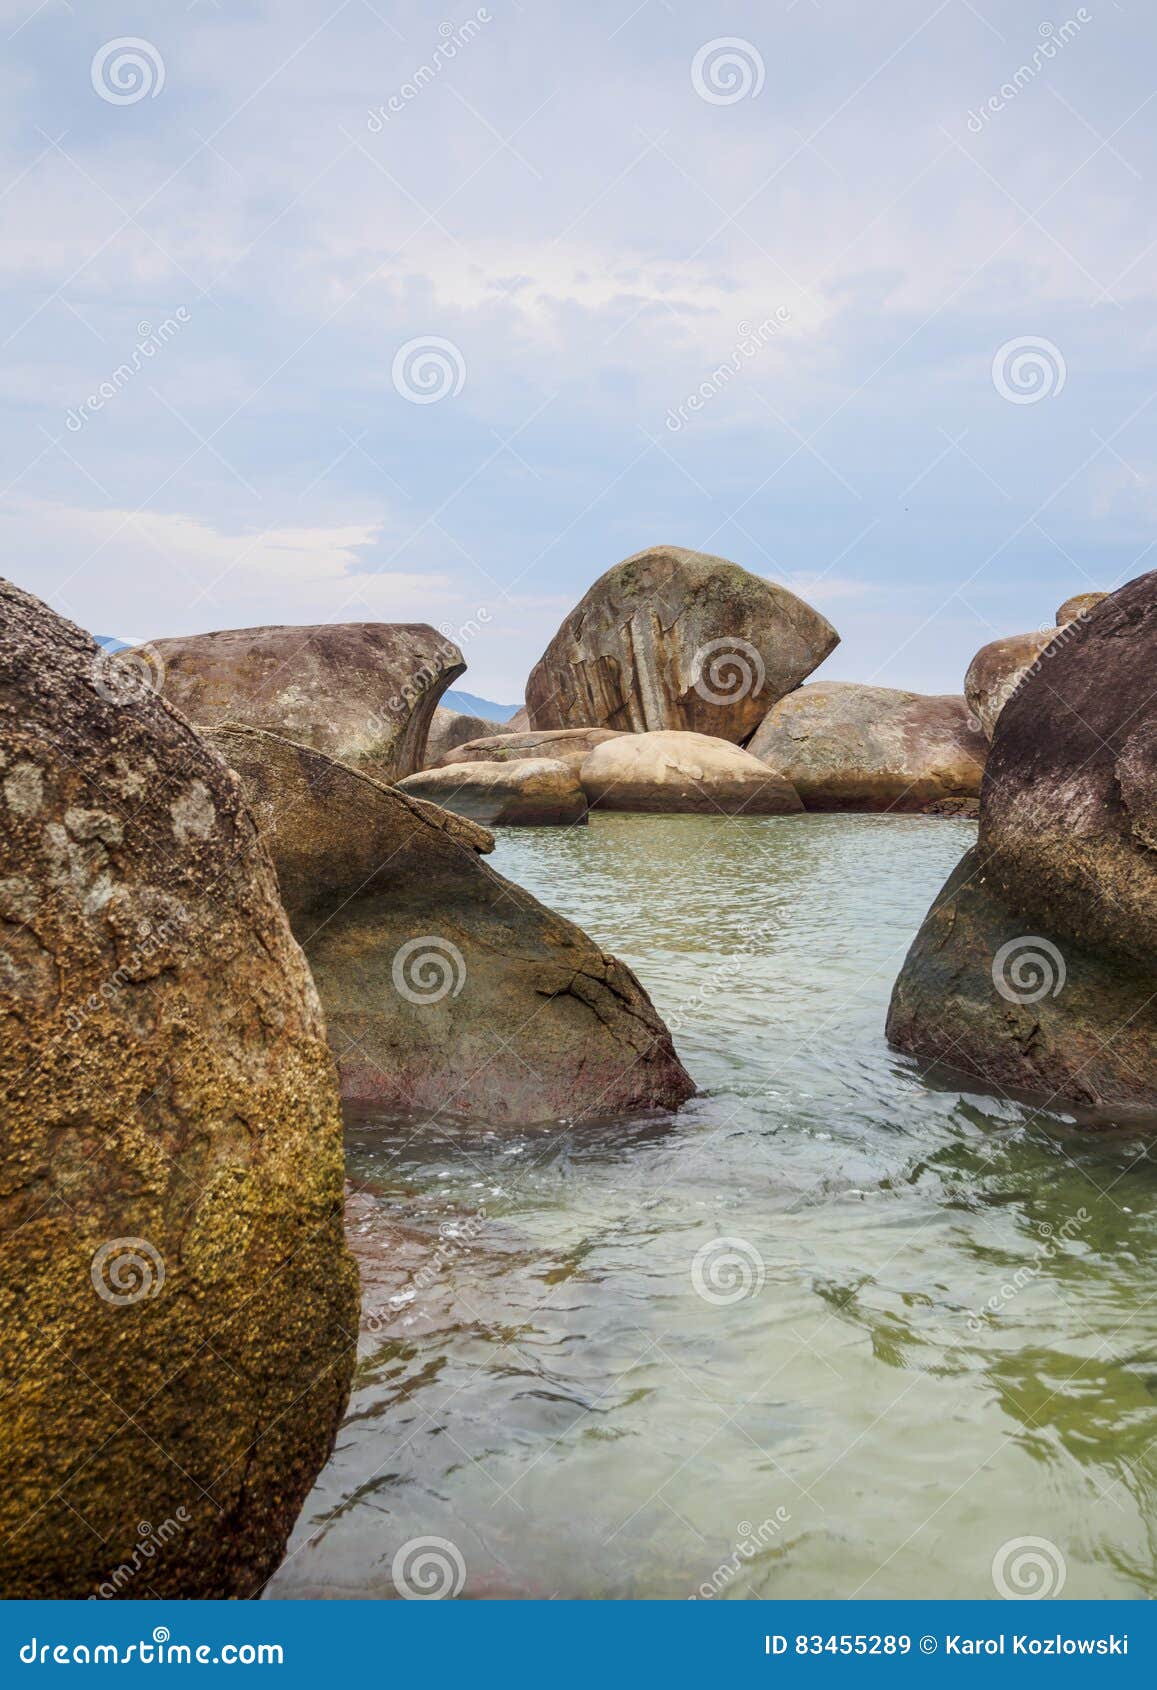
point(997, 671)
point(178, 1307)
point(528, 792)
point(571, 746)
point(1067, 811)
point(674, 639)
point(984, 993)
point(684, 773)
point(362, 692)
point(445, 986)
point(519, 722)
point(1037, 966)
point(850, 747)
point(450, 729)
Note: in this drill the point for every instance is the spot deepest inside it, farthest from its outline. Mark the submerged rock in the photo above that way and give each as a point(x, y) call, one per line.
point(179, 1310)
point(997, 671)
point(361, 692)
point(849, 747)
point(677, 640)
point(450, 729)
point(1037, 967)
point(674, 773)
point(571, 746)
point(445, 986)
point(531, 792)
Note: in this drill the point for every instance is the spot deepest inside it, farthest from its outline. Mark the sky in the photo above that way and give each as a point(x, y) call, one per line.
point(451, 310)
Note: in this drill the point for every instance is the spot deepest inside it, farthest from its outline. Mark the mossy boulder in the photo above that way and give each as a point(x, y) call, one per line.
point(178, 1307)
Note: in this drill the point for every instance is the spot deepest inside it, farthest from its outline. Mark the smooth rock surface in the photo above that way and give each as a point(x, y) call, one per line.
point(450, 729)
point(677, 640)
point(571, 746)
point(446, 987)
point(998, 669)
point(849, 747)
point(672, 773)
point(178, 1307)
point(528, 792)
point(361, 692)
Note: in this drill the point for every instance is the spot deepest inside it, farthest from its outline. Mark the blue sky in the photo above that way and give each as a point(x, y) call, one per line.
point(588, 210)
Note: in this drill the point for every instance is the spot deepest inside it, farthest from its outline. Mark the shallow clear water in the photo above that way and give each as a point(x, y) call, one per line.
point(933, 1331)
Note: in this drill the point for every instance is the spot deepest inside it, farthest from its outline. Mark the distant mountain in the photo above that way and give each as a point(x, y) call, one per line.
point(471, 705)
point(111, 643)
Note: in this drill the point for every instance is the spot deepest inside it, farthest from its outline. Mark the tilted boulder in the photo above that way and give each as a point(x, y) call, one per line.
point(571, 746)
point(684, 773)
point(849, 747)
point(445, 986)
point(361, 692)
point(528, 792)
point(997, 671)
point(178, 1307)
point(677, 640)
point(451, 728)
point(1037, 967)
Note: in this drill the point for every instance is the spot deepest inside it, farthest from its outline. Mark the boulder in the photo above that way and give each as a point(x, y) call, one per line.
point(519, 722)
point(674, 773)
point(533, 792)
point(571, 746)
point(362, 692)
point(1036, 968)
point(446, 987)
point(674, 639)
point(850, 747)
point(178, 1307)
point(1077, 606)
point(451, 728)
point(1066, 813)
point(998, 669)
point(984, 993)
